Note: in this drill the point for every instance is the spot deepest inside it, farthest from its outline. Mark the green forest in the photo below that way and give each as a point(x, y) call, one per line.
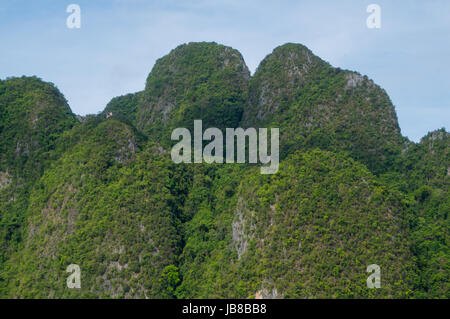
point(101, 191)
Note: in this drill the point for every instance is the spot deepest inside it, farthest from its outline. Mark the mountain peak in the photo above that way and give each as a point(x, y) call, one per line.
point(32, 114)
point(317, 105)
point(195, 80)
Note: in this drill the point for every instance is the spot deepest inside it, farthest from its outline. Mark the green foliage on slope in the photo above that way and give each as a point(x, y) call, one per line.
point(316, 105)
point(124, 107)
point(195, 81)
point(308, 231)
point(104, 194)
point(426, 174)
point(33, 114)
point(106, 207)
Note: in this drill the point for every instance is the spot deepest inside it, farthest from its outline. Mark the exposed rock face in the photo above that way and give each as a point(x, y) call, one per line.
point(5, 179)
point(353, 80)
point(266, 294)
point(242, 229)
point(316, 105)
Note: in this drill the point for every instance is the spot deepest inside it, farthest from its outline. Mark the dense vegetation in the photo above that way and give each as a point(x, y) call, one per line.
point(197, 81)
point(103, 192)
point(124, 108)
point(308, 231)
point(33, 114)
point(321, 106)
point(426, 178)
point(106, 207)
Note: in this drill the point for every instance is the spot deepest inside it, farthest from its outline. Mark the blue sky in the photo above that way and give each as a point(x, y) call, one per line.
point(119, 41)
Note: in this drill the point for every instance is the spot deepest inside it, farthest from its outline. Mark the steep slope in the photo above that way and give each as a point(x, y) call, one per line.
point(426, 175)
point(194, 81)
point(107, 207)
point(428, 162)
point(104, 194)
point(308, 231)
point(124, 107)
point(33, 114)
point(316, 105)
